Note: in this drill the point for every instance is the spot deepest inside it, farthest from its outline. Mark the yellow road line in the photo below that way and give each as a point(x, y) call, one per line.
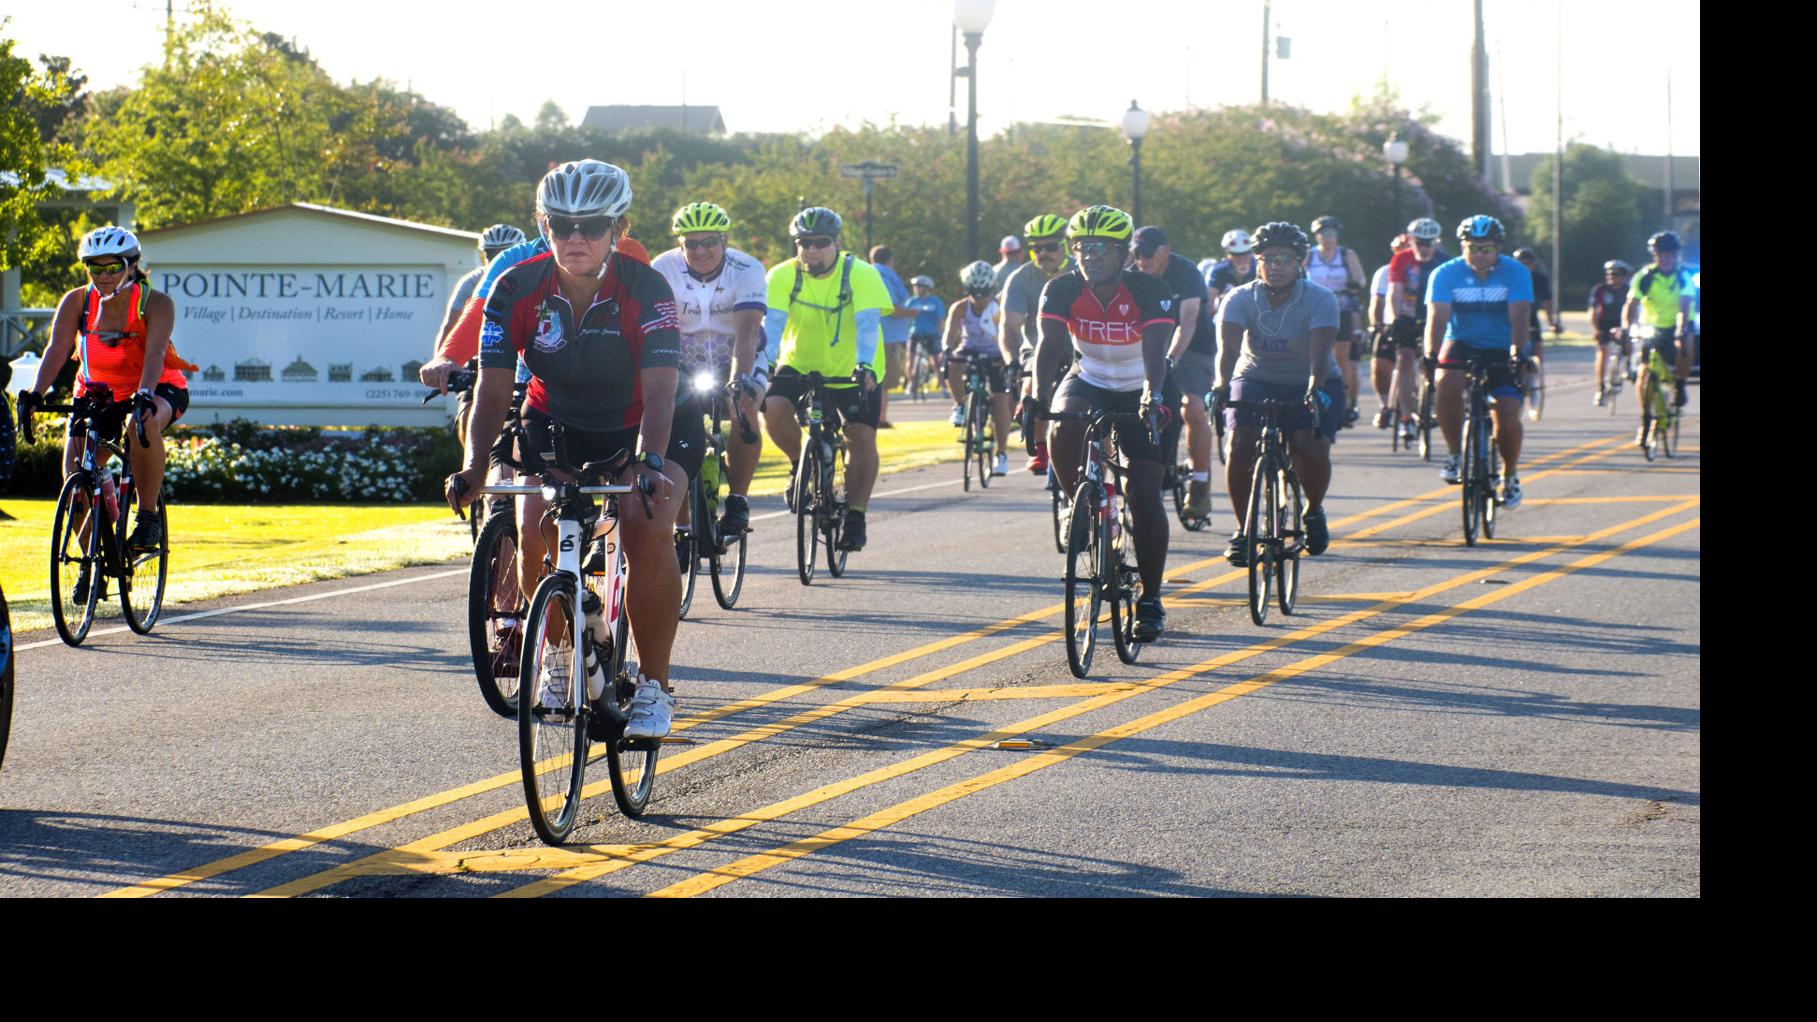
point(275, 849)
point(883, 819)
point(972, 695)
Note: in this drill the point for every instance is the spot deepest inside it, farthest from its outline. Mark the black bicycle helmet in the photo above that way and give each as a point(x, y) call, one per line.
point(1280, 232)
point(1327, 221)
point(816, 221)
point(1664, 241)
point(1481, 228)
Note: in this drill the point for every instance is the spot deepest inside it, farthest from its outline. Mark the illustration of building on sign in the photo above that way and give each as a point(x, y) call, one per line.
point(213, 374)
point(410, 370)
point(253, 370)
point(300, 372)
point(340, 372)
point(379, 375)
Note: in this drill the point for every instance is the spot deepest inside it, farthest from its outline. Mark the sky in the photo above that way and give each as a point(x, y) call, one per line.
point(785, 67)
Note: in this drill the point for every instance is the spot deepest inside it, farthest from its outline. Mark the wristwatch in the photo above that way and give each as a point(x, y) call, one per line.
point(652, 460)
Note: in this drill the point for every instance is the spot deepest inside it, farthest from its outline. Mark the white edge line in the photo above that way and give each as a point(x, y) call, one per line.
point(874, 496)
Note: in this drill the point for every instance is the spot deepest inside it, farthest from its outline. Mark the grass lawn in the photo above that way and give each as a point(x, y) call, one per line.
point(223, 549)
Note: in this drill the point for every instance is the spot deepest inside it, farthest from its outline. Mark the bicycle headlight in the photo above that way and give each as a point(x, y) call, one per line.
point(704, 382)
point(549, 492)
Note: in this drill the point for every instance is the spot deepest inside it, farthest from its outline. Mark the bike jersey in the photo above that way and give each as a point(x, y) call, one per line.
point(1378, 285)
point(1606, 304)
point(1107, 336)
point(978, 330)
point(1333, 276)
point(821, 333)
point(1277, 341)
point(584, 370)
point(1659, 293)
point(457, 300)
point(116, 358)
point(1407, 269)
point(1022, 293)
point(1224, 277)
point(705, 308)
point(1479, 304)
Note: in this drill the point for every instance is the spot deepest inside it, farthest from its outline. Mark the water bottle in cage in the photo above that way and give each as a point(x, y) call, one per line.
point(596, 627)
point(110, 494)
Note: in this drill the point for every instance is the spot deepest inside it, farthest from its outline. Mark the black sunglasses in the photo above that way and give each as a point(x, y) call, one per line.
point(591, 228)
point(703, 245)
point(1044, 247)
point(813, 242)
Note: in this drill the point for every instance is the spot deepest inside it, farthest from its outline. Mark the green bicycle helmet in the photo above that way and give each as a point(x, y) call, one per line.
point(700, 216)
point(1046, 225)
point(1100, 222)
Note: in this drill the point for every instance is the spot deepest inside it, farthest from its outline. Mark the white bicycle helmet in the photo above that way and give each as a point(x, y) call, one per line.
point(1238, 241)
point(501, 236)
point(108, 241)
point(1425, 229)
point(924, 281)
point(584, 188)
point(978, 277)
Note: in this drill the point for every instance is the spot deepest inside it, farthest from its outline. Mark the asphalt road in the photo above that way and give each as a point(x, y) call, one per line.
point(1521, 718)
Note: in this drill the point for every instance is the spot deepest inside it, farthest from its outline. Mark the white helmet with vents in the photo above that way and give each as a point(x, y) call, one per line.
point(584, 188)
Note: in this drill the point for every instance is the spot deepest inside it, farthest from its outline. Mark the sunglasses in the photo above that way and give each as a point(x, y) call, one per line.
point(1481, 249)
point(813, 242)
point(703, 245)
point(1422, 243)
point(1097, 247)
point(591, 228)
point(1281, 260)
point(106, 269)
point(1044, 247)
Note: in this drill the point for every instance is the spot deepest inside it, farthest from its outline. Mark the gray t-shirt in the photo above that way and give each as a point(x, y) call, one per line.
point(1277, 341)
point(1022, 293)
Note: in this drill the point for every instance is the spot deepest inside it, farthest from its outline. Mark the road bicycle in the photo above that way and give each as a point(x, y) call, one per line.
point(496, 603)
point(1179, 480)
point(88, 548)
point(979, 432)
point(1272, 534)
point(923, 372)
point(6, 676)
point(701, 539)
point(1660, 415)
point(1480, 464)
point(818, 489)
point(576, 635)
point(1100, 562)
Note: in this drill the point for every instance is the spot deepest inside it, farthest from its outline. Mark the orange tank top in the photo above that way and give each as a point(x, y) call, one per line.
point(116, 358)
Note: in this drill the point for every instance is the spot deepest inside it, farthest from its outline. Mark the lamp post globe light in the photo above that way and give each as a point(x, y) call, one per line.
point(971, 17)
point(1396, 152)
point(1135, 126)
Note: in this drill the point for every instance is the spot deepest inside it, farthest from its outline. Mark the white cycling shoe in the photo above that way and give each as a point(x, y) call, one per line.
point(958, 418)
point(652, 711)
point(1450, 473)
point(553, 687)
point(1002, 468)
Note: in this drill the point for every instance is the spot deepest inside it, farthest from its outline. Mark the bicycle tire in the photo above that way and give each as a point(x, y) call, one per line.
point(832, 530)
point(1287, 566)
point(1426, 420)
point(475, 512)
point(6, 671)
point(1649, 422)
point(492, 577)
point(1536, 395)
point(688, 545)
point(74, 621)
point(1259, 539)
point(552, 739)
point(1670, 440)
point(1059, 513)
point(985, 447)
point(1084, 596)
point(1467, 471)
point(1491, 496)
point(965, 449)
point(630, 762)
point(142, 623)
point(807, 530)
point(726, 590)
point(1121, 581)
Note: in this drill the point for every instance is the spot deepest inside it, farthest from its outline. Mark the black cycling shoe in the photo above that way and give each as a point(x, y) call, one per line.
point(1237, 552)
point(788, 495)
point(1151, 620)
point(147, 532)
point(851, 536)
point(1683, 398)
point(1318, 535)
point(737, 519)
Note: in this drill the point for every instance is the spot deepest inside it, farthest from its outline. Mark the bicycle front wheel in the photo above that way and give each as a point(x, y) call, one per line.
point(983, 444)
point(807, 530)
point(1426, 421)
point(1120, 579)
point(1084, 596)
point(727, 567)
point(688, 544)
point(1287, 566)
point(552, 724)
point(6, 677)
point(142, 583)
point(631, 762)
point(1262, 540)
point(1469, 469)
point(75, 557)
point(495, 614)
point(1536, 395)
point(832, 528)
point(1492, 479)
point(1053, 491)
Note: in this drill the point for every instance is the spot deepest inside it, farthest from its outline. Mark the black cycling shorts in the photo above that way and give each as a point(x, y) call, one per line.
point(110, 420)
point(1075, 395)
point(994, 371)
point(843, 401)
point(1501, 375)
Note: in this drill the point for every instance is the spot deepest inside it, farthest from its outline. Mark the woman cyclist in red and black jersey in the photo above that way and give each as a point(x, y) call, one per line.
point(119, 330)
point(599, 335)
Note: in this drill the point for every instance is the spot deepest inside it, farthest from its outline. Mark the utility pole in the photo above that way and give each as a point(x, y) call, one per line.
point(952, 88)
point(1671, 207)
point(1558, 164)
point(1266, 18)
point(1479, 99)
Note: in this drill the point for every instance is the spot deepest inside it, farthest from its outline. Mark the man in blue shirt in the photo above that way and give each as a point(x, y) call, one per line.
point(895, 327)
point(930, 314)
point(1478, 304)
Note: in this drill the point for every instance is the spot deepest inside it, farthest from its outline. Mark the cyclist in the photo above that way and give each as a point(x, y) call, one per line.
point(1234, 270)
point(1390, 350)
point(434, 373)
point(930, 312)
point(1277, 333)
point(1116, 323)
point(607, 375)
point(1479, 304)
point(1659, 304)
point(1408, 272)
point(826, 308)
point(1608, 300)
point(1338, 270)
point(720, 302)
point(119, 330)
point(1010, 251)
point(1191, 359)
point(1542, 300)
point(896, 326)
point(1020, 300)
point(971, 327)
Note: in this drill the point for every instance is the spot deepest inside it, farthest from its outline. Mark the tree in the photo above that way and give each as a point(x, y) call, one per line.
point(1601, 214)
point(27, 154)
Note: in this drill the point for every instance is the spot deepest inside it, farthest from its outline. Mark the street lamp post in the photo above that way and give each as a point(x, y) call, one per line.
point(1396, 152)
point(971, 17)
point(1135, 125)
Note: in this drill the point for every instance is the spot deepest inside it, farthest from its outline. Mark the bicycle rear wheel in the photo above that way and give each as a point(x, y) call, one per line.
point(1053, 491)
point(552, 725)
point(1261, 539)
point(1120, 579)
point(1084, 597)
point(6, 677)
point(727, 567)
point(74, 557)
point(495, 614)
point(1668, 432)
point(1491, 494)
point(807, 529)
point(1649, 422)
point(1536, 394)
point(140, 609)
point(1468, 470)
point(1287, 567)
point(1426, 421)
point(631, 762)
point(688, 544)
